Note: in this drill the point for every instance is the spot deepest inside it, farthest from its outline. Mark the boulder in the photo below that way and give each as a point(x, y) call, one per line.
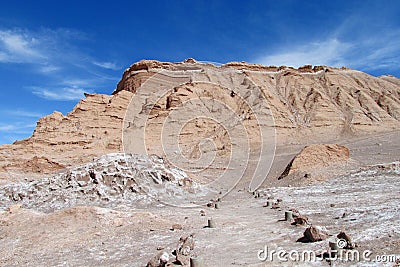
point(314, 234)
point(184, 249)
point(159, 260)
point(300, 220)
point(345, 237)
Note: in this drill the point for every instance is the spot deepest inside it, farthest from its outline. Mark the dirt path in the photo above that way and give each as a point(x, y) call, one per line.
point(103, 237)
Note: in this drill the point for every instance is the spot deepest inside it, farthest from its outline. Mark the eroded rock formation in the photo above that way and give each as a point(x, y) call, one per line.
point(309, 105)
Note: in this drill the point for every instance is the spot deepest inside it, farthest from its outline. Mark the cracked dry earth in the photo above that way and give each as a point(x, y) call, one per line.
point(125, 236)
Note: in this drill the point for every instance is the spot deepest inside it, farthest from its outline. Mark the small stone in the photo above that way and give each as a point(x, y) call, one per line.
point(118, 222)
point(164, 258)
point(344, 236)
point(300, 220)
point(14, 208)
point(176, 226)
point(159, 260)
point(275, 206)
point(184, 250)
point(295, 212)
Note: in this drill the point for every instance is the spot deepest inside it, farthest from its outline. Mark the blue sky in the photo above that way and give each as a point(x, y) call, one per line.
point(51, 52)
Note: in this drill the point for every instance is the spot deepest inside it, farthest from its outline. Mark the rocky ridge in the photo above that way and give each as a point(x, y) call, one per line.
point(308, 104)
point(109, 181)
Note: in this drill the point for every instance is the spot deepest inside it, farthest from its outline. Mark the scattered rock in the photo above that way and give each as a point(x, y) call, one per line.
point(349, 243)
point(300, 220)
point(159, 260)
point(295, 212)
point(314, 234)
point(277, 204)
point(184, 250)
point(176, 226)
point(164, 258)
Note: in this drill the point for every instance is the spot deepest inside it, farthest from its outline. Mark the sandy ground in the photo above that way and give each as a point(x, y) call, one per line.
point(127, 236)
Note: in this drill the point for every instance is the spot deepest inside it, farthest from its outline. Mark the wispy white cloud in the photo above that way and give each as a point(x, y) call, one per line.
point(368, 52)
point(329, 52)
point(17, 124)
point(85, 82)
point(7, 128)
point(17, 128)
point(18, 47)
point(47, 49)
point(49, 69)
point(55, 55)
point(24, 113)
point(106, 65)
point(382, 52)
point(64, 94)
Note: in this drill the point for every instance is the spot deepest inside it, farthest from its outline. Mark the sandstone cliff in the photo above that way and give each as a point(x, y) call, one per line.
point(303, 105)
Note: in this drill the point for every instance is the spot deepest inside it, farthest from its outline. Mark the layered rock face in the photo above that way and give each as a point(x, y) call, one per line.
point(302, 106)
point(91, 129)
point(347, 100)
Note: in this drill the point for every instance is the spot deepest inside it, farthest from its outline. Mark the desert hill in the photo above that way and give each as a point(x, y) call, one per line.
point(110, 183)
point(246, 105)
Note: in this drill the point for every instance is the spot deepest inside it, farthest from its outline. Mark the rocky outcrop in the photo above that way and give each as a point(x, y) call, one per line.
point(317, 156)
point(113, 179)
point(308, 104)
point(314, 162)
point(343, 100)
point(93, 128)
